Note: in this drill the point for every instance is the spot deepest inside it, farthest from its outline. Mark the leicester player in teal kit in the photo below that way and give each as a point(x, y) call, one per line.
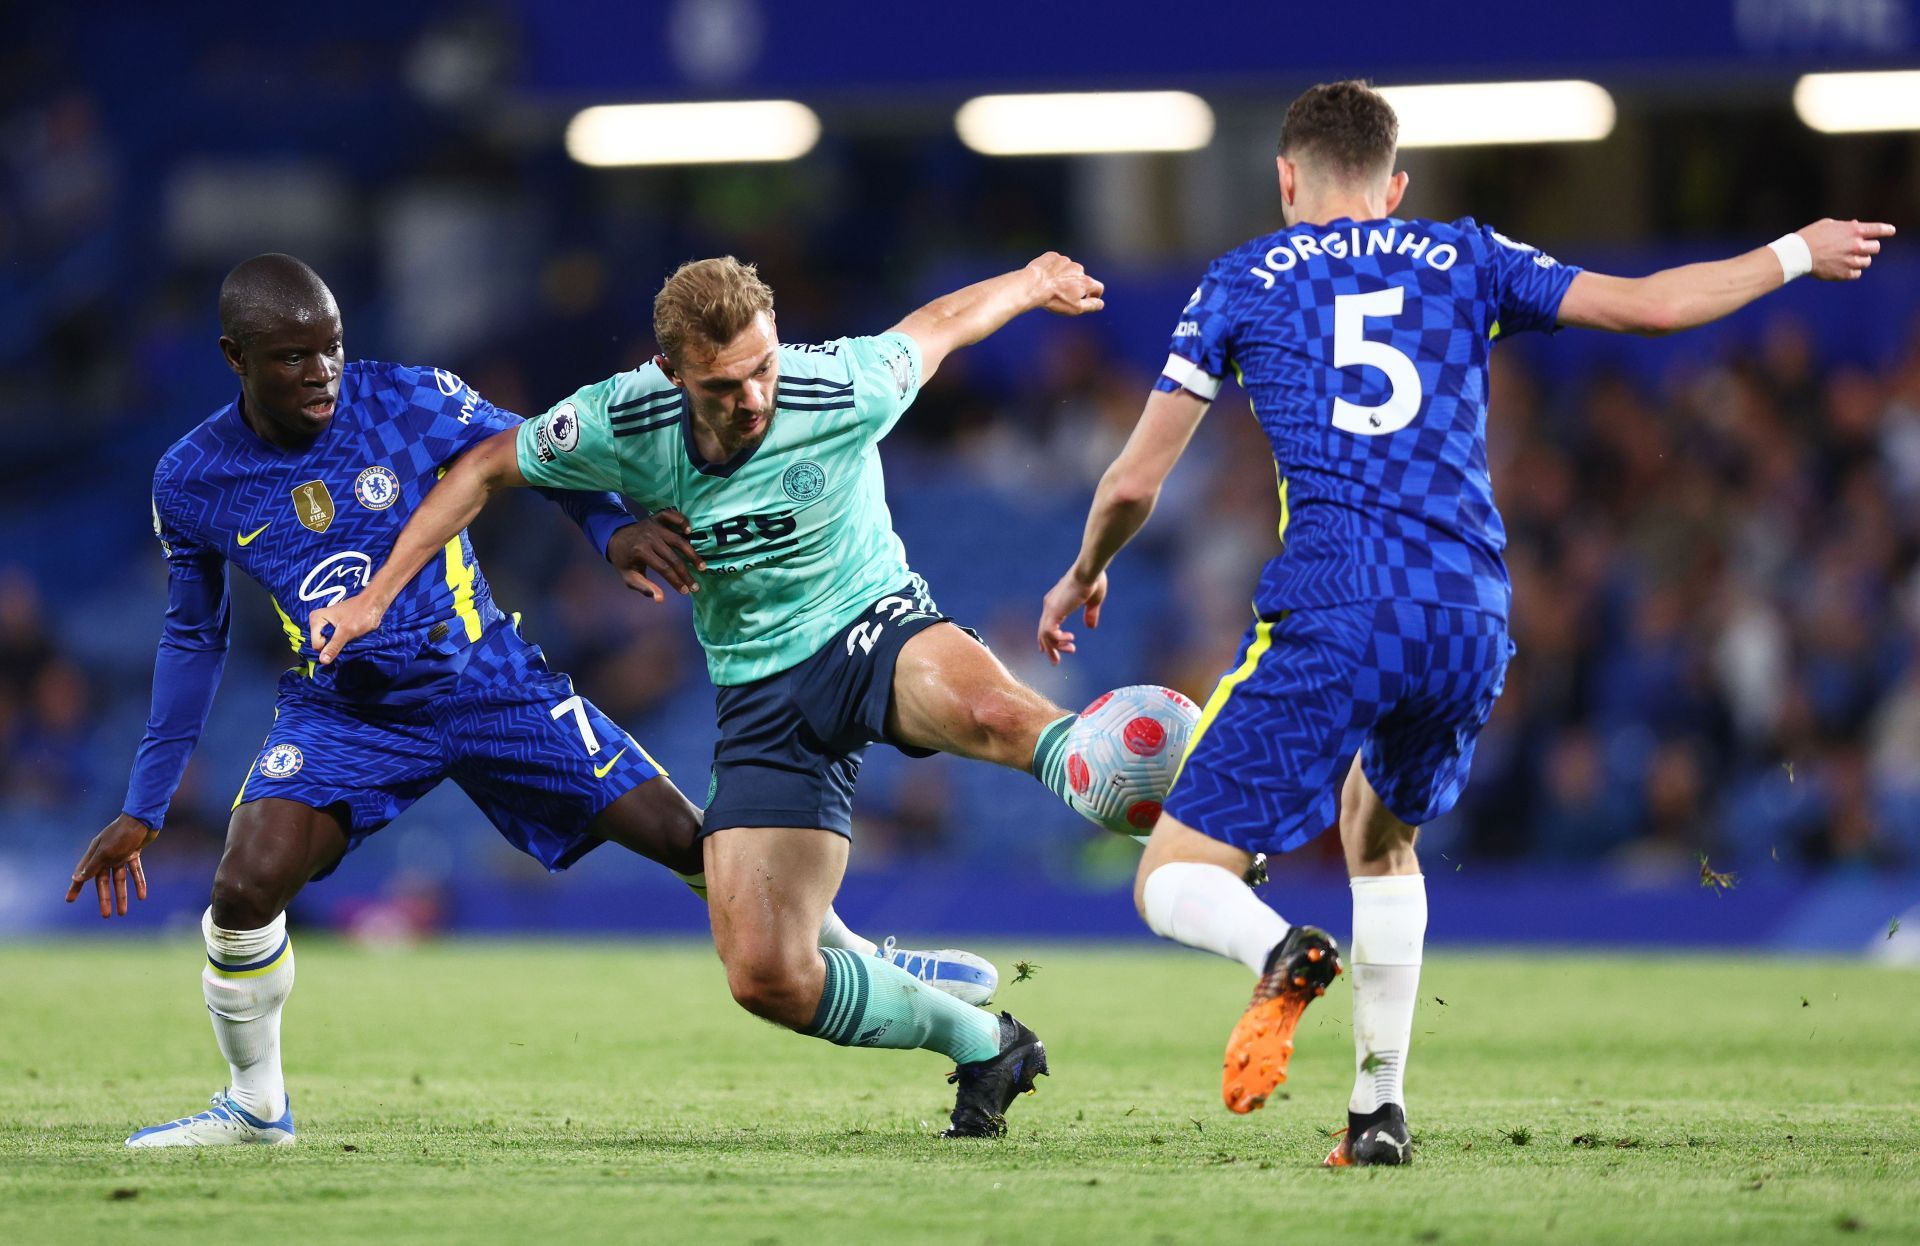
point(1380, 627)
point(821, 641)
point(303, 484)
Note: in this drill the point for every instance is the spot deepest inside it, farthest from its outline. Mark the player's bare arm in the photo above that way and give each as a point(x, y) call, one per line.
point(1121, 505)
point(1695, 294)
point(1053, 282)
point(658, 543)
point(450, 506)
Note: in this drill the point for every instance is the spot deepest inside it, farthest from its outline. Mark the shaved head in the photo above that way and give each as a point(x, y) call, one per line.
point(280, 334)
point(270, 290)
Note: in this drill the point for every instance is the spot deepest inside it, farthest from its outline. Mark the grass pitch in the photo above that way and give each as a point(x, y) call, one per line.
point(606, 1092)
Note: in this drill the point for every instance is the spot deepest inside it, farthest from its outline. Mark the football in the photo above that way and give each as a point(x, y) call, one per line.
point(1122, 755)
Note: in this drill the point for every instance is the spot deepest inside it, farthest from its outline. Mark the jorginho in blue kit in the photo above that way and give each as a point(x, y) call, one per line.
point(449, 690)
point(1380, 628)
point(1381, 625)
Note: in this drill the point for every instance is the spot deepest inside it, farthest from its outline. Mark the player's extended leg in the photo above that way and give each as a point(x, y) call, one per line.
point(768, 888)
point(951, 694)
point(1389, 929)
point(1192, 889)
point(657, 821)
point(273, 847)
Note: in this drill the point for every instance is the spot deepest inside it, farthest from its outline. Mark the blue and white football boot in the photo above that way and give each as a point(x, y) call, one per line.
point(968, 978)
point(226, 1123)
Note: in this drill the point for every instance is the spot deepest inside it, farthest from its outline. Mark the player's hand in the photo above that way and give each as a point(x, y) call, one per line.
point(350, 620)
point(1063, 287)
point(1842, 250)
point(661, 543)
point(113, 857)
point(1070, 594)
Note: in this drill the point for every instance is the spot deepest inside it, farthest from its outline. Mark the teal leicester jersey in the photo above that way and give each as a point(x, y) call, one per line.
point(795, 530)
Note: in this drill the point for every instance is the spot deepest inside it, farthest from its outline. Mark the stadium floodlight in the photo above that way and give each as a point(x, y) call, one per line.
point(1856, 103)
point(1084, 123)
point(1472, 114)
point(722, 132)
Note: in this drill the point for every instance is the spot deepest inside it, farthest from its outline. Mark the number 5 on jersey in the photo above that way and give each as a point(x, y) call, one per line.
point(1352, 349)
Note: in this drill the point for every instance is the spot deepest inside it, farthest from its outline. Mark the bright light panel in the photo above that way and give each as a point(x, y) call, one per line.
point(1485, 113)
point(1100, 121)
point(728, 132)
point(1852, 103)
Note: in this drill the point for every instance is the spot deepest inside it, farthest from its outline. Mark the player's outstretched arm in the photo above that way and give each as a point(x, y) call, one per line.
point(1126, 496)
point(186, 672)
point(1694, 294)
point(450, 506)
point(1053, 281)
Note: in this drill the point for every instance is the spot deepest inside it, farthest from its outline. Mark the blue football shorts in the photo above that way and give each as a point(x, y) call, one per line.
point(1407, 686)
point(540, 760)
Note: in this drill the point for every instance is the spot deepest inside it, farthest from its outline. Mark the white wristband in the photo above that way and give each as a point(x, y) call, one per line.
point(1796, 259)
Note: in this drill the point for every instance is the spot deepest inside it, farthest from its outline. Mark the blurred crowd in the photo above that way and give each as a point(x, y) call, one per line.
point(1714, 572)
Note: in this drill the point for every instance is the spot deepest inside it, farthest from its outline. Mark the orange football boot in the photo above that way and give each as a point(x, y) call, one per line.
point(1299, 969)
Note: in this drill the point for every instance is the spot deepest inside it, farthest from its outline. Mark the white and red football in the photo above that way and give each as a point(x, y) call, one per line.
point(1122, 755)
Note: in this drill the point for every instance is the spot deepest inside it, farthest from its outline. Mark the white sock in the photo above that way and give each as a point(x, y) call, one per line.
point(248, 977)
point(1389, 928)
point(834, 933)
point(1208, 907)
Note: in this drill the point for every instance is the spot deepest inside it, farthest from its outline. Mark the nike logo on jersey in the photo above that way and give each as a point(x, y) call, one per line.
point(247, 539)
point(601, 772)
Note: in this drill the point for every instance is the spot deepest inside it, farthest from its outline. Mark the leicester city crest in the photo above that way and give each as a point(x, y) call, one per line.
point(281, 761)
point(376, 488)
point(804, 481)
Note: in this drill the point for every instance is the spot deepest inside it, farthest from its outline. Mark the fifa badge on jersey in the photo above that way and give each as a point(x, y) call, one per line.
point(376, 488)
point(282, 761)
point(563, 427)
point(804, 480)
point(313, 505)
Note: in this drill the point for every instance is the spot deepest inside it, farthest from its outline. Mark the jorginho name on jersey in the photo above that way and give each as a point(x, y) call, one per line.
point(311, 525)
point(1363, 347)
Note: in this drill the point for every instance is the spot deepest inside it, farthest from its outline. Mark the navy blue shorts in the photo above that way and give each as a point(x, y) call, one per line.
point(1407, 686)
point(539, 759)
point(791, 744)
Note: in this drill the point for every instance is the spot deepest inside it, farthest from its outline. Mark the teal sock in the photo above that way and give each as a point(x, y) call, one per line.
point(1050, 755)
point(869, 1002)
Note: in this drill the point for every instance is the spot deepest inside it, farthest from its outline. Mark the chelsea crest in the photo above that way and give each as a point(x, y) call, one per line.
point(376, 488)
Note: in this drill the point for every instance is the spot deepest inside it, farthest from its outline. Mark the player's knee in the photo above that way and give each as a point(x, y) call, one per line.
point(1003, 716)
point(773, 987)
point(242, 900)
point(1150, 860)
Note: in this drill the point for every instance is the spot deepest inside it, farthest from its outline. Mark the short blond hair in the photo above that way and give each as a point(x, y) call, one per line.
point(709, 302)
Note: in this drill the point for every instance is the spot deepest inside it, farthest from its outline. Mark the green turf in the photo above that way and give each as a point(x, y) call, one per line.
point(559, 1092)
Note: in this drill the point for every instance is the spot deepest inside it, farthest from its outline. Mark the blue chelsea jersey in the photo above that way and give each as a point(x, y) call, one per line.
point(1363, 347)
point(311, 525)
